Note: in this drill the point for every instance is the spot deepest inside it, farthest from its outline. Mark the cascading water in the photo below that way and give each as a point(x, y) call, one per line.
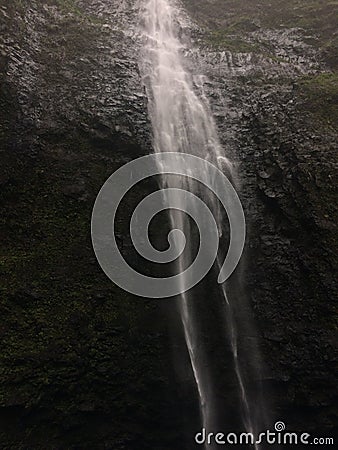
point(182, 122)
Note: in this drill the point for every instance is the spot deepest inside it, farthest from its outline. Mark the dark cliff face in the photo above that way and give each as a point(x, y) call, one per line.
point(273, 88)
point(84, 364)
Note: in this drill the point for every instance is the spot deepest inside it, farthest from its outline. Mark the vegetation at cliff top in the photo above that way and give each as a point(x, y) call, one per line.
point(322, 97)
point(229, 21)
point(248, 15)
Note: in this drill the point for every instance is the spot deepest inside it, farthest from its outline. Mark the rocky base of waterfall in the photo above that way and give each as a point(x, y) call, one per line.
point(85, 365)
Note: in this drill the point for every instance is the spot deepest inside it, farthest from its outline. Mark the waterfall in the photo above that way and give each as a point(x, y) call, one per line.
point(182, 122)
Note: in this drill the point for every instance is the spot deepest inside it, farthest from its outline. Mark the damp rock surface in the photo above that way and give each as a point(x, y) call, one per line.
point(83, 364)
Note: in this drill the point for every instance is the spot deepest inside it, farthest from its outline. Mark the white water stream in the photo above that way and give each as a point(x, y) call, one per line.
point(182, 122)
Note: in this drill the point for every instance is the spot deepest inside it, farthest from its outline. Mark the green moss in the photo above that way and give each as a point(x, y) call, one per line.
point(221, 39)
point(71, 338)
point(240, 17)
point(321, 97)
point(69, 6)
point(75, 9)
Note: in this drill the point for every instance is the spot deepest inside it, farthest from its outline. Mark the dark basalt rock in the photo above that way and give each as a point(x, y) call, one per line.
point(85, 365)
